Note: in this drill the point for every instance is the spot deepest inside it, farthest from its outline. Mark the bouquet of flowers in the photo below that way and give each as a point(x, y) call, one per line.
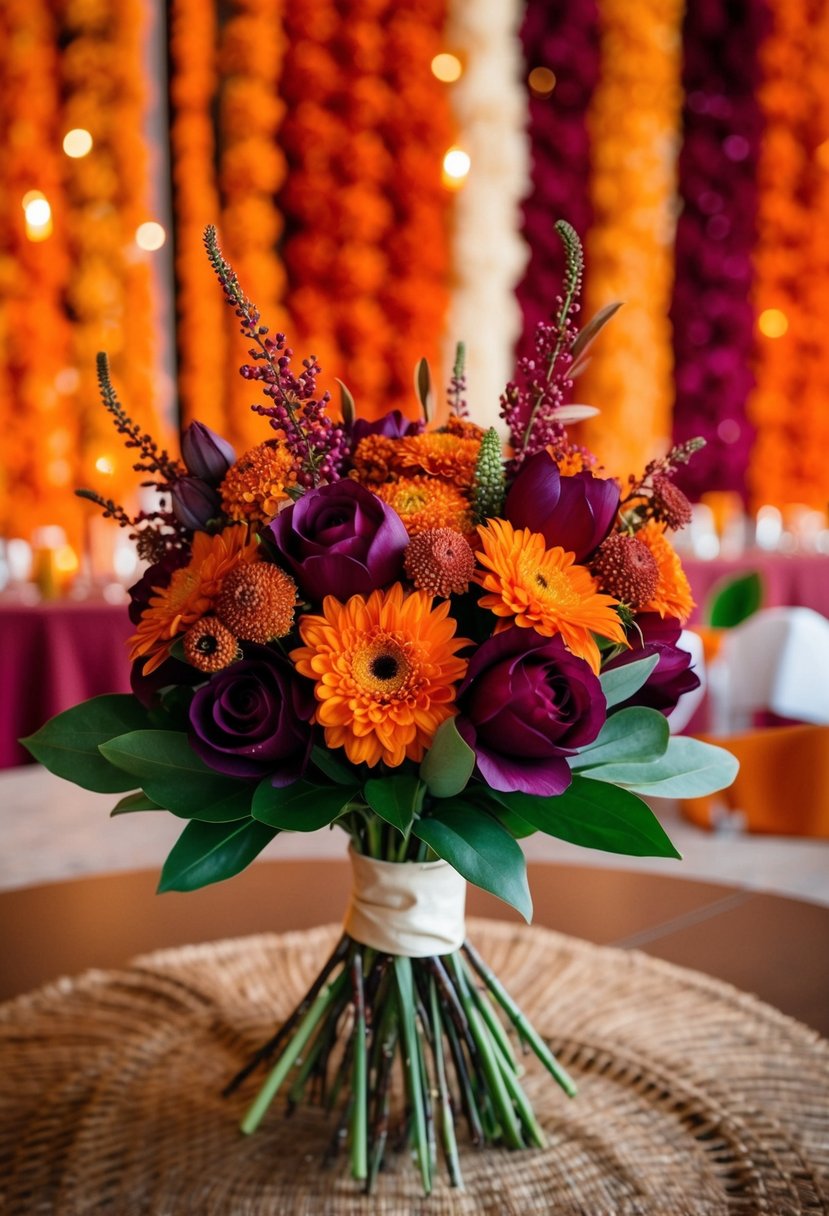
point(392, 628)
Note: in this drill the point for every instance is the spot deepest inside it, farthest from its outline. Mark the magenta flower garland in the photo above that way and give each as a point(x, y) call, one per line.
point(711, 312)
point(563, 38)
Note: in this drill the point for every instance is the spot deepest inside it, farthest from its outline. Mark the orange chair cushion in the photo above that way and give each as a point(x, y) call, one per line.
point(782, 786)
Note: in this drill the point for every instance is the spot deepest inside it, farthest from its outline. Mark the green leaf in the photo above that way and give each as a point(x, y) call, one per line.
point(301, 807)
point(689, 769)
point(480, 849)
point(331, 766)
point(173, 776)
point(449, 762)
point(634, 734)
point(348, 409)
point(135, 802)
point(597, 816)
point(68, 743)
point(396, 799)
point(210, 852)
point(733, 600)
point(621, 683)
point(423, 389)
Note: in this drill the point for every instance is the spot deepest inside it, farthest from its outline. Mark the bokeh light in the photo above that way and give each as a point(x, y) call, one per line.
point(447, 67)
point(772, 323)
point(105, 464)
point(542, 81)
point(38, 215)
point(77, 143)
point(456, 166)
point(150, 236)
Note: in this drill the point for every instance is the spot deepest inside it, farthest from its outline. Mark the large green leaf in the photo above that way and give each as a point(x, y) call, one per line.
point(210, 852)
point(689, 769)
point(620, 683)
point(597, 816)
point(301, 807)
point(733, 600)
point(68, 743)
point(331, 766)
point(480, 849)
point(173, 776)
point(396, 799)
point(634, 734)
point(449, 762)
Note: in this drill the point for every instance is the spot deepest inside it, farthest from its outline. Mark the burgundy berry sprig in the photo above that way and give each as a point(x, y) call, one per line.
point(655, 495)
point(456, 393)
point(318, 445)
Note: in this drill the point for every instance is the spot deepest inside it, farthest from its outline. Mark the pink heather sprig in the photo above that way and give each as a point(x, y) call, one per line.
point(317, 444)
point(455, 394)
point(529, 404)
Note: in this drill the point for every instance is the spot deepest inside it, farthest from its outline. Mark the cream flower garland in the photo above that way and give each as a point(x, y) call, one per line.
point(634, 130)
point(488, 253)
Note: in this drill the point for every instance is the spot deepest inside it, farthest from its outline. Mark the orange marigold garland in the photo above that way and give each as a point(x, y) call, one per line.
point(791, 264)
point(366, 213)
point(633, 120)
point(40, 430)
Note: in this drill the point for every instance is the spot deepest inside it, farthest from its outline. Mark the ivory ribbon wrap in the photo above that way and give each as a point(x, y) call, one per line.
point(412, 908)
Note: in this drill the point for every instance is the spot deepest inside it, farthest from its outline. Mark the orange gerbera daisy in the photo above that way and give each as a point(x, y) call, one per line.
point(256, 484)
point(542, 589)
point(191, 594)
point(440, 454)
point(572, 460)
point(385, 670)
point(673, 591)
point(425, 502)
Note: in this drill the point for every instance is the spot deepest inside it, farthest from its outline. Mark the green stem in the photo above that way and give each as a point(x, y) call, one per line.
point(491, 1018)
point(359, 1111)
point(411, 1065)
point(525, 1028)
point(286, 1061)
point(447, 1122)
point(504, 1110)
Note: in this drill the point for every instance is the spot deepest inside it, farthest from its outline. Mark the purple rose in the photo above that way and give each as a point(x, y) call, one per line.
point(253, 719)
point(205, 453)
point(575, 512)
point(526, 704)
point(194, 502)
point(394, 425)
point(340, 540)
point(672, 675)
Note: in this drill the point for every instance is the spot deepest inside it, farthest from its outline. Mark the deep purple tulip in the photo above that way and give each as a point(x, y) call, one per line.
point(525, 705)
point(194, 502)
point(340, 540)
point(394, 425)
point(672, 675)
point(575, 512)
point(253, 719)
point(205, 453)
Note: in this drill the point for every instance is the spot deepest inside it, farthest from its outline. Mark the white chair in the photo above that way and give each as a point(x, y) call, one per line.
point(777, 660)
point(689, 702)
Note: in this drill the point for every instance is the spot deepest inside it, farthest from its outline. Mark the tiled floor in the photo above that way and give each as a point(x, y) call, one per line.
point(52, 830)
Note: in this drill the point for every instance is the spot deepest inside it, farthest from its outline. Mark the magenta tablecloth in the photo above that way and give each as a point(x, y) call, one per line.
point(790, 580)
point(52, 656)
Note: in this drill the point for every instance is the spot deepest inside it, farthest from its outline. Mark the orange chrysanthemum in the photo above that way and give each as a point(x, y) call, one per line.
point(573, 460)
point(373, 459)
point(542, 589)
point(257, 483)
point(191, 594)
point(673, 591)
point(440, 454)
point(425, 502)
point(385, 670)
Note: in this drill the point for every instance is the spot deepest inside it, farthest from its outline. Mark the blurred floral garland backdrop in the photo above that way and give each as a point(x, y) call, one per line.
point(385, 175)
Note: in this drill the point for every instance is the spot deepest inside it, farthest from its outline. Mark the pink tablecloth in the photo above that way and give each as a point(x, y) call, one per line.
point(52, 656)
point(790, 580)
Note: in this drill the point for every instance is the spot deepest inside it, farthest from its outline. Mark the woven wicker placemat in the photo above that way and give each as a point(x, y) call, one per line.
point(693, 1097)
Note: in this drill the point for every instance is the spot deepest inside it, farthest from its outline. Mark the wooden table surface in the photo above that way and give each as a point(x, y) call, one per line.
point(771, 946)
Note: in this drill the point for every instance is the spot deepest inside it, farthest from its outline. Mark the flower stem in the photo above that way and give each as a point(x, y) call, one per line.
point(411, 1065)
point(447, 1121)
point(525, 1029)
point(359, 1111)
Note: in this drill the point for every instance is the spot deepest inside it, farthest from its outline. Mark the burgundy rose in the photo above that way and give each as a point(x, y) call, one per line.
point(340, 540)
point(575, 512)
point(253, 719)
point(525, 705)
point(672, 675)
point(205, 453)
point(394, 425)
